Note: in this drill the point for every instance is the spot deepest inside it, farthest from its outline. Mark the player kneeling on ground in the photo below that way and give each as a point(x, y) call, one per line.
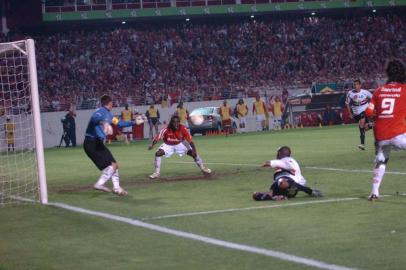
point(98, 128)
point(288, 179)
point(176, 140)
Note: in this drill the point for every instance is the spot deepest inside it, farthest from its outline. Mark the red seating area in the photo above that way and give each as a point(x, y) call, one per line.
point(196, 62)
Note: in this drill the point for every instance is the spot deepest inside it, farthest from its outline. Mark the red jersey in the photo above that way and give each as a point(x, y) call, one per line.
point(388, 105)
point(174, 137)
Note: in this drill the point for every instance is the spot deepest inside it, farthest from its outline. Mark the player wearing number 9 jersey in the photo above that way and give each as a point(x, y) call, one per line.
point(388, 107)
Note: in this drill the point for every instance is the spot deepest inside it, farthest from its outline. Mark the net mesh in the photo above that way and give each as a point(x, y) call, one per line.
point(18, 165)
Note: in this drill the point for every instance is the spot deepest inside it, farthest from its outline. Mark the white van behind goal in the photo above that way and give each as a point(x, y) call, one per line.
point(22, 168)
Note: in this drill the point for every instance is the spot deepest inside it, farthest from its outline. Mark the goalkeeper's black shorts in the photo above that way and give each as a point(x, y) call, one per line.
point(98, 153)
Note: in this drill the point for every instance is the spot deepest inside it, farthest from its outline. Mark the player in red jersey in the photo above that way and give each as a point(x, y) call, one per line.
point(388, 107)
point(176, 140)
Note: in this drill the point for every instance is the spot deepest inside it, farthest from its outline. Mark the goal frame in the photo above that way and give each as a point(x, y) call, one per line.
point(36, 112)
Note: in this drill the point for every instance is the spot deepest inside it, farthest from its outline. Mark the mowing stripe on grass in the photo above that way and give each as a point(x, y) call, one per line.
point(249, 208)
point(350, 170)
point(306, 167)
point(220, 211)
point(208, 240)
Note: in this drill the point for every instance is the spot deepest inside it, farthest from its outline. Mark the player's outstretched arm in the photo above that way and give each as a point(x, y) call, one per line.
point(122, 123)
point(277, 163)
point(370, 110)
point(151, 146)
point(349, 111)
point(266, 164)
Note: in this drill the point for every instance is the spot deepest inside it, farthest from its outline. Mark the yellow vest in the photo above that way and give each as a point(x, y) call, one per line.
point(259, 107)
point(9, 128)
point(277, 109)
point(242, 110)
point(225, 112)
point(182, 114)
point(153, 113)
point(126, 114)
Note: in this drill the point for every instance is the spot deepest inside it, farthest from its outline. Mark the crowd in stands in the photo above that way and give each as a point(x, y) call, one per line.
point(192, 62)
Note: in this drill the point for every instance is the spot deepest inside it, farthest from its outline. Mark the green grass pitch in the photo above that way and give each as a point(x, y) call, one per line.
point(354, 233)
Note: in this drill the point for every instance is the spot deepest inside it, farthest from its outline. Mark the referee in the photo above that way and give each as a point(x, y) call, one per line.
point(98, 152)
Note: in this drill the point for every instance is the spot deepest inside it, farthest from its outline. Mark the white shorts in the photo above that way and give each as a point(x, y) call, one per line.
point(127, 129)
point(260, 117)
point(242, 119)
point(180, 149)
point(384, 147)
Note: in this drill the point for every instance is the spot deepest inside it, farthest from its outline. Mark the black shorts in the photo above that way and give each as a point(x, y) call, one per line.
point(153, 121)
point(98, 153)
point(290, 192)
point(359, 116)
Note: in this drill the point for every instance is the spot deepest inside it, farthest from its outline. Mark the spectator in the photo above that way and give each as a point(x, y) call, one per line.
point(213, 61)
point(329, 116)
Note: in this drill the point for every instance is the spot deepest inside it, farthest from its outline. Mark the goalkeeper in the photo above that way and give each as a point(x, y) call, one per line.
point(96, 132)
point(288, 179)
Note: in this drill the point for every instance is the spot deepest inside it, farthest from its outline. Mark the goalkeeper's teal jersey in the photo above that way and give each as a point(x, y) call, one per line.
point(95, 127)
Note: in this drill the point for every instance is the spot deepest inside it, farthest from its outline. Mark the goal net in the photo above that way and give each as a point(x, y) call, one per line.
point(22, 172)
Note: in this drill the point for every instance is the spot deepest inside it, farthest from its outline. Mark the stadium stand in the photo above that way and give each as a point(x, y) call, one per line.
point(195, 62)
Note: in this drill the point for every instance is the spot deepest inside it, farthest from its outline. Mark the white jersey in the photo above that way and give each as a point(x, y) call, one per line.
point(358, 100)
point(289, 164)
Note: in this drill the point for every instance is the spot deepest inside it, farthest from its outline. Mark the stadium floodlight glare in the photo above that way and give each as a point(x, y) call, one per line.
point(187, 19)
point(252, 16)
point(313, 13)
point(123, 22)
point(22, 165)
point(374, 10)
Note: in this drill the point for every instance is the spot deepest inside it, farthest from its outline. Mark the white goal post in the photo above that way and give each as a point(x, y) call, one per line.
point(22, 164)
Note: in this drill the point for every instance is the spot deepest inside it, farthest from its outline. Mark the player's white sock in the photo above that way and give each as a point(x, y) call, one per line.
point(115, 178)
point(377, 179)
point(157, 164)
point(106, 175)
point(259, 126)
point(199, 161)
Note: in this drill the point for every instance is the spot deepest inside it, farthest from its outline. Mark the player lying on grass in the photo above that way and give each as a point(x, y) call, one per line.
point(388, 106)
point(288, 179)
point(176, 140)
point(95, 149)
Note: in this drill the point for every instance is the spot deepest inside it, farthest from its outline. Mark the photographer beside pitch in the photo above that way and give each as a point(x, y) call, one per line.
point(96, 132)
point(288, 179)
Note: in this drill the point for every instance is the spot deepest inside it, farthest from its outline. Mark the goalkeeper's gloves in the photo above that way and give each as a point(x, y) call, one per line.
point(115, 121)
point(265, 196)
point(279, 198)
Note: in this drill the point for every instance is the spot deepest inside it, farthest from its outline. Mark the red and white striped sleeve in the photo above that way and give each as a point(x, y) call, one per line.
point(186, 134)
point(370, 110)
point(161, 134)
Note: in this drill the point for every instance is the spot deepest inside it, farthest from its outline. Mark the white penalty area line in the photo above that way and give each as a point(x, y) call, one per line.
point(220, 211)
point(208, 240)
point(306, 167)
